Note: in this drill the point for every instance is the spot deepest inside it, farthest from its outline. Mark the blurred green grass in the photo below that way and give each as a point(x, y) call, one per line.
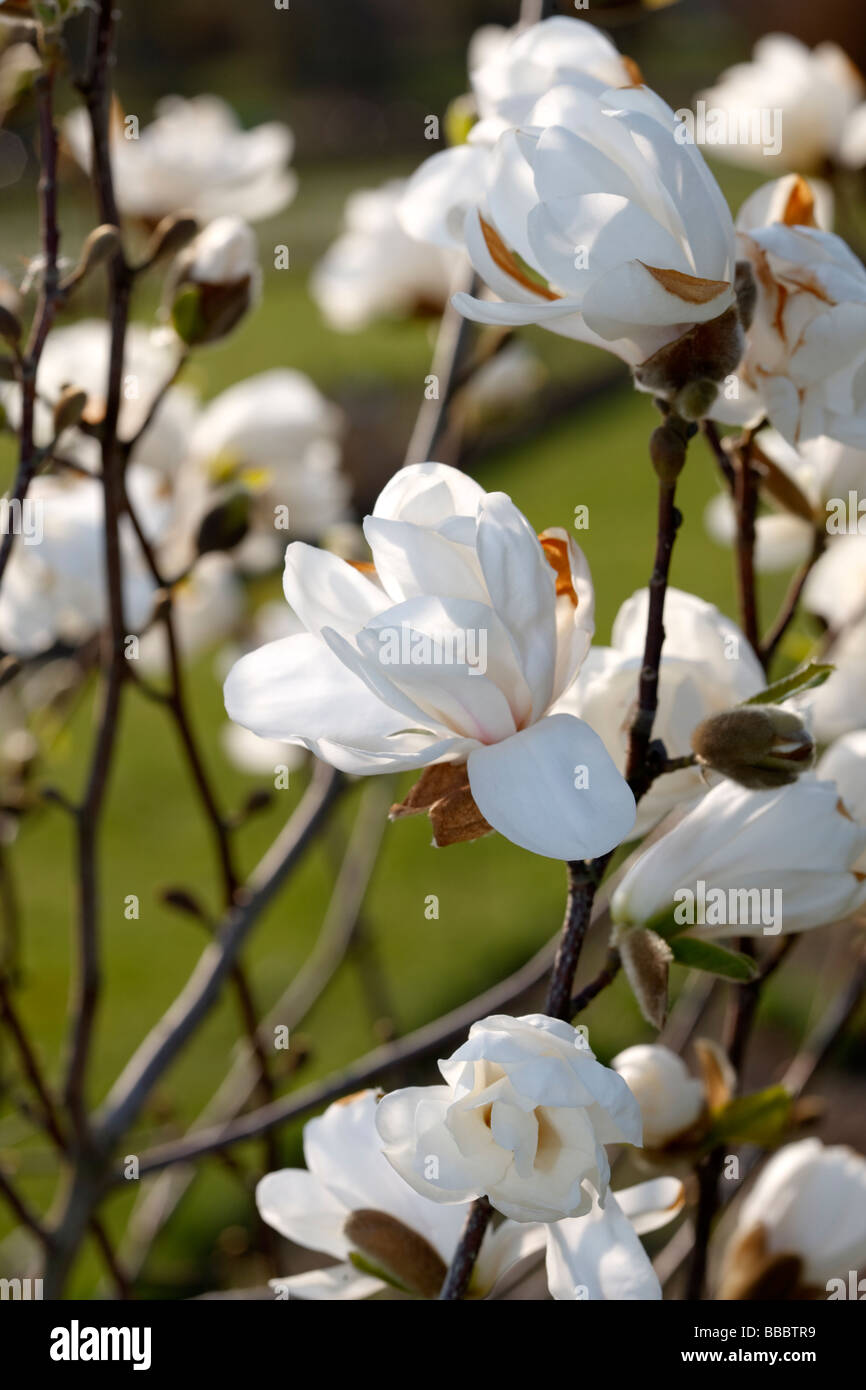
point(497, 904)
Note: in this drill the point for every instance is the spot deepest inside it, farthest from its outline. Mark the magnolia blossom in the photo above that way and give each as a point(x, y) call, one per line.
point(836, 707)
point(806, 347)
point(707, 666)
point(824, 471)
point(453, 651)
point(375, 270)
point(54, 590)
point(836, 587)
point(628, 241)
point(77, 355)
point(523, 1118)
point(797, 841)
point(809, 1203)
point(671, 1100)
point(194, 157)
point(816, 91)
point(350, 1204)
point(276, 436)
point(509, 72)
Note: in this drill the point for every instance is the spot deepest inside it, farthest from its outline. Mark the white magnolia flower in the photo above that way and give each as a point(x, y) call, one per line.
point(707, 666)
point(797, 841)
point(194, 157)
point(77, 355)
point(671, 1100)
point(628, 241)
point(523, 1118)
point(375, 270)
point(278, 436)
point(454, 651)
point(844, 763)
point(808, 1202)
point(836, 587)
point(824, 470)
point(836, 707)
point(600, 1256)
point(509, 72)
point(349, 1203)
point(806, 347)
point(54, 590)
point(816, 92)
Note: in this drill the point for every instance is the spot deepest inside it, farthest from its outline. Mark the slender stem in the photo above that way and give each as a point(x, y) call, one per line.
point(583, 881)
point(746, 501)
point(605, 977)
point(791, 602)
point(468, 1250)
point(638, 766)
point(453, 342)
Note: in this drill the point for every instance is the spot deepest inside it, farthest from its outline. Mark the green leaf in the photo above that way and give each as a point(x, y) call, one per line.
point(717, 960)
point(761, 1118)
point(186, 315)
point(807, 677)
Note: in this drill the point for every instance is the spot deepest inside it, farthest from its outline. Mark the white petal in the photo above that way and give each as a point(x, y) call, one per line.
point(525, 788)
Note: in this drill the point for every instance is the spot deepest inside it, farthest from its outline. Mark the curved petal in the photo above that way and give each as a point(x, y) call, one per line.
point(553, 789)
point(303, 1209)
point(296, 688)
point(599, 1256)
point(334, 1284)
point(325, 591)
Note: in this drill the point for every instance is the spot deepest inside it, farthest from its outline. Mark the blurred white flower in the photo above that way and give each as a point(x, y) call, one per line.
point(214, 282)
point(824, 471)
point(797, 845)
point(208, 605)
point(806, 347)
point(278, 436)
point(809, 1203)
point(836, 587)
point(628, 241)
point(836, 707)
point(671, 1100)
point(375, 270)
point(707, 666)
point(504, 384)
point(77, 355)
point(350, 1204)
point(194, 157)
point(510, 70)
point(815, 90)
point(54, 591)
point(453, 651)
point(844, 763)
point(223, 253)
point(523, 1118)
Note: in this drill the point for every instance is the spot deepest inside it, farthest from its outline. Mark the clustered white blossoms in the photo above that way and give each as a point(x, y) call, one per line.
point(461, 649)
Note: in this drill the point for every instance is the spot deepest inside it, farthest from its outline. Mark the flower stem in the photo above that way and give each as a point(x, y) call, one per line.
point(463, 1263)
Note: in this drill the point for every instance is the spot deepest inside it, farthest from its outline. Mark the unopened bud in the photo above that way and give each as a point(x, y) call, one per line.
point(668, 446)
point(646, 958)
point(395, 1252)
point(701, 358)
point(218, 280)
point(759, 746)
point(226, 524)
point(69, 408)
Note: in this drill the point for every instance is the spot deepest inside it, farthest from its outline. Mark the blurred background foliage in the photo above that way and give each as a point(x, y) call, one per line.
point(355, 79)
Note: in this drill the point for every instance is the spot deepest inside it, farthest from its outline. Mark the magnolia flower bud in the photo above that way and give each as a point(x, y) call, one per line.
point(688, 370)
point(759, 746)
point(646, 958)
point(668, 446)
point(69, 408)
point(671, 1100)
point(391, 1250)
point(218, 282)
point(226, 524)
